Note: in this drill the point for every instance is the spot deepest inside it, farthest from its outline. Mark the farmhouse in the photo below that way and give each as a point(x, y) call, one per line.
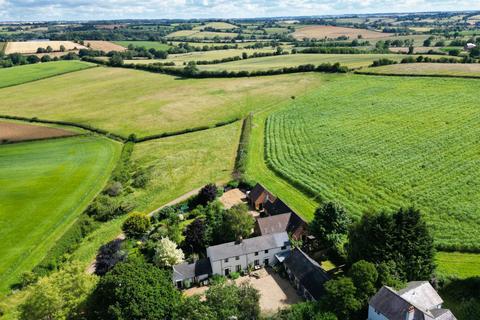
point(418, 301)
point(305, 274)
point(223, 259)
point(470, 46)
point(286, 222)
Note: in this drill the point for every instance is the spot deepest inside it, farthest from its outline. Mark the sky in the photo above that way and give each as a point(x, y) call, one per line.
point(32, 10)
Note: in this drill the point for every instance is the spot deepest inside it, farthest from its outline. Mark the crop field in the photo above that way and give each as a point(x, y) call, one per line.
point(180, 59)
point(32, 46)
point(16, 131)
point(197, 34)
point(217, 25)
point(104, 45)
point(435, 69)
point(45, 186)
point(293, 60)
point(2, 46)
point(22, 74)
point(126, 101)
point(147, 44)
point(380, 143)
point(331, 32)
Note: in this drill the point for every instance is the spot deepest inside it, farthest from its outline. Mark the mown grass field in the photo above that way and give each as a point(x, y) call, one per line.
point(45, 186)
point(126, 101)
point(147, 44)
point(22, 74)
point(293, 60)
point(431, 69)
point(180, 59)
point(457, 264)
point(379, 143)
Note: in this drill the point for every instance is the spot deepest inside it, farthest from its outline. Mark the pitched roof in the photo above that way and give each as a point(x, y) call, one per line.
point(257, 191)
point(233, 249)
point(394, 305)
point(421, 293)
point(308, 272)
point(276, 207)
point(288, 222)
point(190, 270)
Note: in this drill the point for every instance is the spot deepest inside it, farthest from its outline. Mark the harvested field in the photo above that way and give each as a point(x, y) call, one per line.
point(104, 45)
point(13, 131)
point(431, 69)
point(128, 101)
point(380, 143)
point(32, 46)
point(331, 32)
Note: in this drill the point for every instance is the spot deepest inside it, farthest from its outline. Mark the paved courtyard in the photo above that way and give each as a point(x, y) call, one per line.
point(275, 292)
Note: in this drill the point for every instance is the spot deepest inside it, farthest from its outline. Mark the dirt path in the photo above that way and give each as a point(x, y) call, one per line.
point(91, 267)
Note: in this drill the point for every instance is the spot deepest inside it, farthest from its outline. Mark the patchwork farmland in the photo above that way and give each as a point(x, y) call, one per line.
point(376, 143)
point(14, 132)
point(321, 32)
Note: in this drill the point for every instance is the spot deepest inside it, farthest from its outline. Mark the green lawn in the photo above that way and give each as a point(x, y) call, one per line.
point(374, 143)
point(292, 60)
point(435, 69)
point(147, 44)
point(125, 101)
point(457, 264)
point(45, 186)
point(21, 74)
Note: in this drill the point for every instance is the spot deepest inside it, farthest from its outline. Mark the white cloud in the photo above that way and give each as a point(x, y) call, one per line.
point(150, 9)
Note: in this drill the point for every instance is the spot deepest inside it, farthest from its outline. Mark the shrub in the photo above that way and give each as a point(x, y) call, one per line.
point(207, 194)
point(136, 225)
point(114, 188)
point(234, 275)
point(108, 256)
point(105, 208)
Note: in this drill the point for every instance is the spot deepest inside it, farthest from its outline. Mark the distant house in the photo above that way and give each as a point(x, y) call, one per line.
point(287, 222)
point(306, 274)
point(258, 195)
point(470, 46)
point(238, 256)
point(418, 301)
point(185, 274)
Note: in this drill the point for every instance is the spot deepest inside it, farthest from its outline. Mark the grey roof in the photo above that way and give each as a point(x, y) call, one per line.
point(288, 222)
point(233, 249)
point(394, 305)
point(422, 294)
point(190, 270)
point(308, 272)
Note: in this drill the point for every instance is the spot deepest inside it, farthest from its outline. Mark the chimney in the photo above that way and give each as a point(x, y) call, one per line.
point(410, 313)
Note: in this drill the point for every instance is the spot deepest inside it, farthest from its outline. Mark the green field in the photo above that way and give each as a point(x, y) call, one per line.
point(180, 59)
point(217, 25)
point(147, 44)
point(374, 143)
point(22, 74)
point(2, 46)
point(293, 60)
point(459, 265)
point(45, 186)
point(126, 101)
point(435, 69)
point(198, 34)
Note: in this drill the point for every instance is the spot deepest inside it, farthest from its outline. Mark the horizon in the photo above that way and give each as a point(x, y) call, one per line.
point(88, 10)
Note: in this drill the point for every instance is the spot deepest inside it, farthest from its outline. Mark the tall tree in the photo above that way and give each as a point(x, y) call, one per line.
point(134, 290)
point(402, 237)
point(228, 300)
point(330, 224)
point(195, 236)
point(237, 223)
point(364, 276)
point(340, 297)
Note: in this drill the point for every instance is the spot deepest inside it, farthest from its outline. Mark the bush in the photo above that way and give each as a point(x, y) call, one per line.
point(207, 194)
point(105, 208)
point(234, 275)
point(136, 225)
point(113, 189)
point(108, 256)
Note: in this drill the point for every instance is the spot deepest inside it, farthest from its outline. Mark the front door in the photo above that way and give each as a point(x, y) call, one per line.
point(227, 271)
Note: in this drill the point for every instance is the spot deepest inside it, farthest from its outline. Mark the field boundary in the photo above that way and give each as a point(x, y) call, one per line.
point(385, 74)
point(48, 77)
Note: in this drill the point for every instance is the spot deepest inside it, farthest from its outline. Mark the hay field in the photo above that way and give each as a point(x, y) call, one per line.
point(15, 131)
point(104, 45)
point(180, 59)
point(432, 69)
point(374, 143)
point(27, 73)
point(293, 60)
point(126, 101)
point(147, 44)
point(331, 32)
point(45, 186)
point(32, 46)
